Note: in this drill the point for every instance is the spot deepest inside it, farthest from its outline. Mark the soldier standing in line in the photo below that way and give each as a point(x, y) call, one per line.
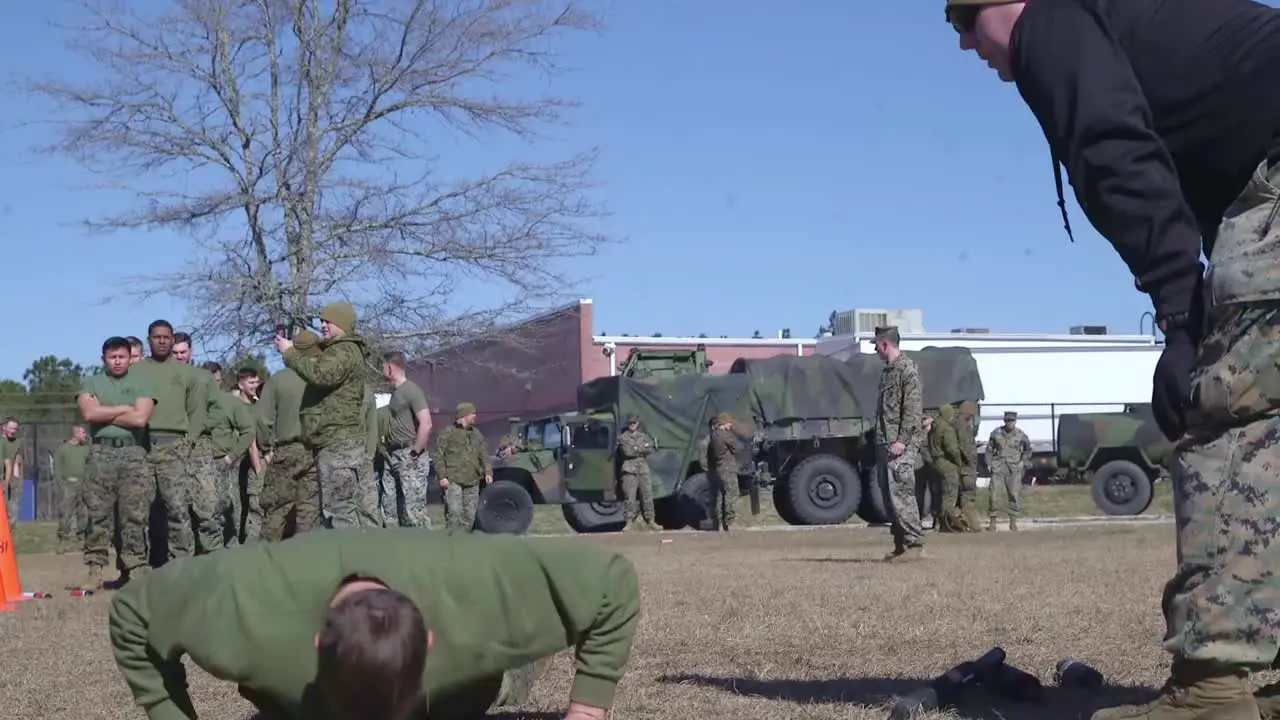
point(335, 417)
point(898, 439)
point(248, 383)
point(117, 405)
point(966, 425)
point(408, 430)
point(462, 464)
point(944, 448)
point(168, 443)
point(205, 496)
point(928, 476)
point(290, 483)
point(68, 472)
point(234, 425)
point(635, 446)
point(136, 350)
point(11, 451)
point(722, 470)
point(1008, 458)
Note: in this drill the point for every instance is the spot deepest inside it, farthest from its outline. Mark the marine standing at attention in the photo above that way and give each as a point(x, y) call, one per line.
point(205, 497)
point(462, 465)
point(68, 471)
point(899, 434)
point(11, 453)
point(722, 470)
point(1009, 458)
point(408, 431)
point(635, 445)
point(1166, 117)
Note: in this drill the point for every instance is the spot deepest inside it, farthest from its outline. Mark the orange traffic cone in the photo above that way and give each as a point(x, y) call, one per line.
point(10, 585)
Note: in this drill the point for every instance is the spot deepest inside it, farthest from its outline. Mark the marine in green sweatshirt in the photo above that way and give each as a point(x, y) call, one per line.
point(253, 615)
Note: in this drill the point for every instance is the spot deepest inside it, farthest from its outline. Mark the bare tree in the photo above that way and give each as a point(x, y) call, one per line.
point(296, 142)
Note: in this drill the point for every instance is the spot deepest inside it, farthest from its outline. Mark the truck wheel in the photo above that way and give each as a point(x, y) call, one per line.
point(505, 508)
point(1121, 487)
point(824, 490)
point(597, 517)
point(782, 503)
point(696, 504)
point(875, 506)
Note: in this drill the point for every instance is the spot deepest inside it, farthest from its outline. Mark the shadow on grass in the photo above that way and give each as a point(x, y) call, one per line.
point(1058, 703)
point(878, 560)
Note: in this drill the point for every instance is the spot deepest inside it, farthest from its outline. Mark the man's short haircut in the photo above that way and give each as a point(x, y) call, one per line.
point(396, 358)
point(159, 324)
point(889, 333)
point(247, 372)
point(372, 652)
point(181, 337)
point(115, 342)
point(211, 366)
point(11, 419)
point(132, 342)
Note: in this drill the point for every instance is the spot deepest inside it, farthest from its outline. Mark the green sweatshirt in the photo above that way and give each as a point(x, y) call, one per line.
point(232, 425)
point(279, 409)
point(495, 603)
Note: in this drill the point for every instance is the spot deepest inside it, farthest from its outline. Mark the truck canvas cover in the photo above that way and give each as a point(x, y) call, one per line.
point(788, 387)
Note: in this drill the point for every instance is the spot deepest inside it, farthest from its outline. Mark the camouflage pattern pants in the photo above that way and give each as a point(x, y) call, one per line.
point(724, 499)
point(637, 492)
point(1006, 485)
point(118, 478)
point(73, 517)
point(404, 489)
point(206, 497)
point(252, 503)
point(949, 480)
point(897, 477)
point(231, 492)
point(348, 495)
point(13, 499)
point(460, 502)
point(290, 486)
point(168, 460)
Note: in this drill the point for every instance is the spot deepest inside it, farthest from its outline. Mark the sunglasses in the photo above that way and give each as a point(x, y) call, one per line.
point(963, 17)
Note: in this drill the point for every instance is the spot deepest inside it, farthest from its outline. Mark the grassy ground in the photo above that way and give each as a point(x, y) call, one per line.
point(1046, 501)
point(761, 625)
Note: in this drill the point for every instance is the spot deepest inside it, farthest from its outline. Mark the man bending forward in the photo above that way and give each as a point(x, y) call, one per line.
point(379, 624)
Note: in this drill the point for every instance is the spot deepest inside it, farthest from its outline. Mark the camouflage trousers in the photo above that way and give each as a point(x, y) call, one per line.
point(168, 460)
point(118, 480)
point(969, 498)
point(252, 498)
point(348, 495)
point(897, 479)
point(291, 486)
point(73, 517)
point(1006, 485)
point(13, 499)
point(207, 498)
point(404, 489)
point(949, 480)
point(460, 503)
point(724, 499)
point(637, 492)
point(1223, 604)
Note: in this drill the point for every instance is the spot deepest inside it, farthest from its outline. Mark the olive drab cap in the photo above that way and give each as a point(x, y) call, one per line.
point(464, 409)
point(633, 418)
point(340, 314)
point(1009, 416)
point(306, 341)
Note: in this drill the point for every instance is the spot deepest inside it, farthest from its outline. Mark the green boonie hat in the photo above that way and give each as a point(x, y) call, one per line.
point(340, 314)
point(464, 409)
point(947, 412)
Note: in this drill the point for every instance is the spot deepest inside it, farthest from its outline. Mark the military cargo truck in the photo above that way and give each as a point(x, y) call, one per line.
point(1120, 454)
point(533, 475)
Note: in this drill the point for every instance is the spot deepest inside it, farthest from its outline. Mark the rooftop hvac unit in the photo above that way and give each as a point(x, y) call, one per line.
point(865, 321)
point(1088, 329)
point(970, 331)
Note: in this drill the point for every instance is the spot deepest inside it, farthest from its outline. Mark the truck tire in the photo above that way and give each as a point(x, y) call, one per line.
point(782, 503)
point(875, 507)
point(824, 490)
point(696, 505)
point(505, 508)
point(598, 517)
point(1121, 487)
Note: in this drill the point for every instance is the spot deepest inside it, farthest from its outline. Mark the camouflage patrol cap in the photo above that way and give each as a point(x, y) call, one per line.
point(632, 418)
point(464, 409)
point(306, 341)
point(340, 314)
point(1010, 416)
point(723, 418)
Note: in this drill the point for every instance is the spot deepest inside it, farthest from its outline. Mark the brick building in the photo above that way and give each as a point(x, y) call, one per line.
point(535, 367)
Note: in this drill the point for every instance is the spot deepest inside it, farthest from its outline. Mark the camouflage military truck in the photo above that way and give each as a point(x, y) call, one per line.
point(1120, 454)
point(533, 475)
point(816, 435)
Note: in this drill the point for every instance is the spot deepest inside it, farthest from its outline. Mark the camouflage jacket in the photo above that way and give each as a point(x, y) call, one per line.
point(1011, 448)
point(722, 451)
point(635, 447)
point(333, 403)
point(462, 456)
point(944, 447)
point(968, 446)
point(900, 411)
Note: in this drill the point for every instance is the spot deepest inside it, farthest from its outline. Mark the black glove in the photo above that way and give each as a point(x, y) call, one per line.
point(1171, 384)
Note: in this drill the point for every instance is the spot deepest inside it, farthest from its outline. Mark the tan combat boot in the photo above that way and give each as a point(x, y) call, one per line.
point(991, 524)
point(1196, 691)
point(92, 579)
point(911, 554)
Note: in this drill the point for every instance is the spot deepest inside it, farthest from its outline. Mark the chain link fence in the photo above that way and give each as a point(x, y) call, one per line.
point(41, 440)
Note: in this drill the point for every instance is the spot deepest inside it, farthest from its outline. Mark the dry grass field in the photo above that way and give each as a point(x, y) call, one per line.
point(757, 624)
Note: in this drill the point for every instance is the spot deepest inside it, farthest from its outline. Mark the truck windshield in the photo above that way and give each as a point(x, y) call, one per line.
point(592, 436)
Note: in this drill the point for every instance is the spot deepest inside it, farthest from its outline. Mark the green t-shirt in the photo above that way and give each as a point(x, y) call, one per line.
point(70, 461)
point(124, 390)
point(10, 449)
point(171, 381)
point(407, 400)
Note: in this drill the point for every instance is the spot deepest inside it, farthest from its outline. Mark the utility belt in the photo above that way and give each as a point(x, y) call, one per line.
point(157, 439)
point(116, 442)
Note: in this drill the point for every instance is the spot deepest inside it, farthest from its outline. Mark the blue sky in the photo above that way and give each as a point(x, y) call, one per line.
point(764, 167)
